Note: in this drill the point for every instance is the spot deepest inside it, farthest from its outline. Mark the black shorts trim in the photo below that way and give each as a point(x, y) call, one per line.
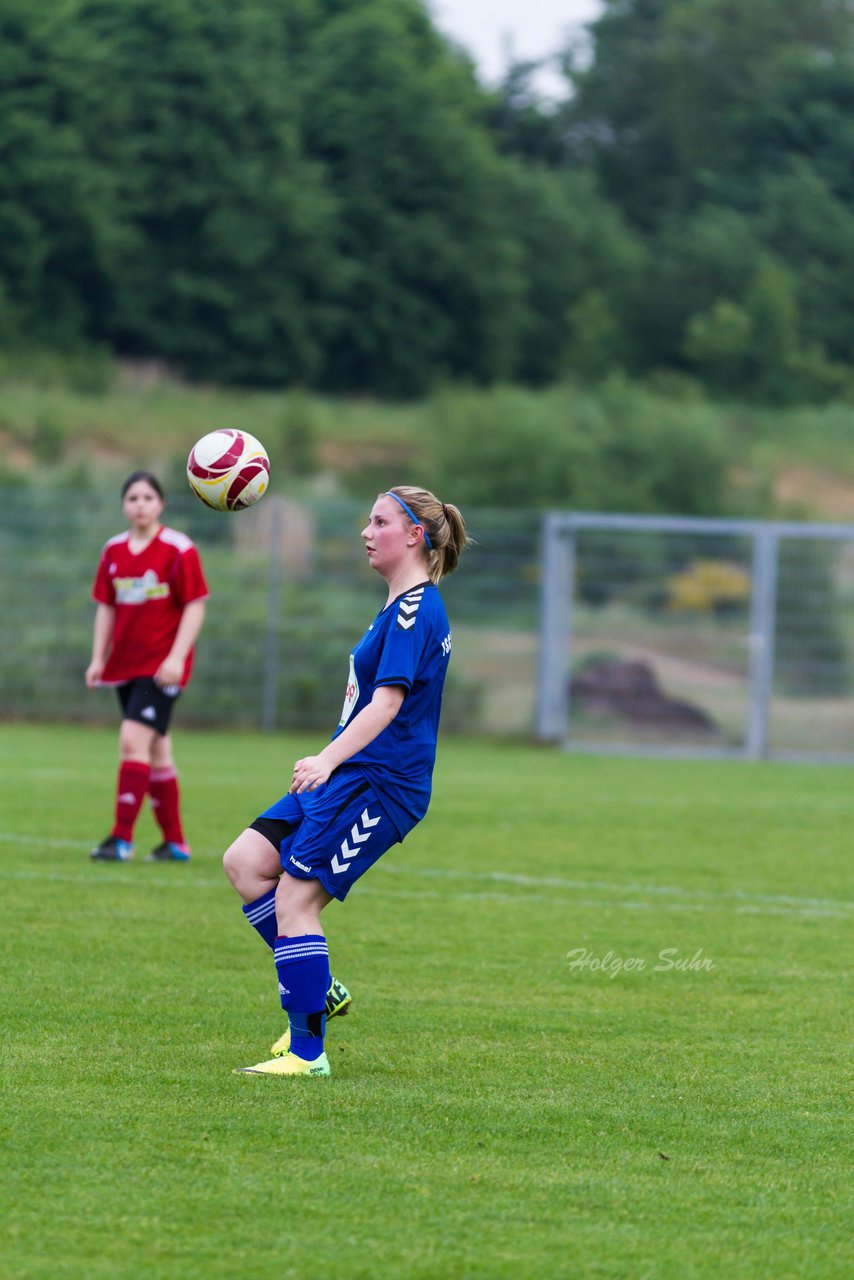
point(357, 791)
point(273, 829)
point(278, 829)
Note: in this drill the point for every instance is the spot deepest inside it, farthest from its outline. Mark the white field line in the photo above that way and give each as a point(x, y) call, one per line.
point(617, 886)
point(49, 842)
point(673, 898)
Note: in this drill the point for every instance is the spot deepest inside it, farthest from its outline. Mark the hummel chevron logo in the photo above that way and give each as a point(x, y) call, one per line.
point(408, 608)
point(358, 835)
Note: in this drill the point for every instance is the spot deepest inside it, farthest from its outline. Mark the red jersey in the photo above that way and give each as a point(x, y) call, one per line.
point(149, 592)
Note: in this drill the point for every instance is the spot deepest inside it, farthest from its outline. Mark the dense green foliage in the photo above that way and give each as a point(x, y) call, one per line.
point(723, 132)
point(622, 449)
point(651, 447)
point(271, 193)
point(319, 192)
point(494, 1112)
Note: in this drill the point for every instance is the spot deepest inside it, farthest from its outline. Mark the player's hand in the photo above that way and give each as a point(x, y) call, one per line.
point(309, 774)
point(169, 672)
point(94, 671)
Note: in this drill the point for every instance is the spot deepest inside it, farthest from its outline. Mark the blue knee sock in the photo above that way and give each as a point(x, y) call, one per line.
point(302, 965)
point(261, 914)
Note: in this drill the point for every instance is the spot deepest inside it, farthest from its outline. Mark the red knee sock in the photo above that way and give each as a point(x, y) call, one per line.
point(131, 787)
point(166, 803)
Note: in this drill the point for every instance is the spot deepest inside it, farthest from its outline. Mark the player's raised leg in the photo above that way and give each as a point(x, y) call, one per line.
point(253, 866)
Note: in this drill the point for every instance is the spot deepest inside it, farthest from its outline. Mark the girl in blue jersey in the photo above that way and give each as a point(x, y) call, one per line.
point(369, 786)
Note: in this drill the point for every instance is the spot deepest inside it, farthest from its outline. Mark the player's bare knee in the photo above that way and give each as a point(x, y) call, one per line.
point(251, 864)
point(231, 863)
point(161, 752)
point(238, 865)
point(135, 742)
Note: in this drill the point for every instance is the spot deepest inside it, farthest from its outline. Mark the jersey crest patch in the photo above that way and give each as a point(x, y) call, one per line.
point(351, 697)
point(408, 609)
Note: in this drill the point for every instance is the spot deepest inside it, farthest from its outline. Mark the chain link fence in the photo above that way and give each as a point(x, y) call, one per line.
point(290, 593)
point(602, 633)
point(706, 637)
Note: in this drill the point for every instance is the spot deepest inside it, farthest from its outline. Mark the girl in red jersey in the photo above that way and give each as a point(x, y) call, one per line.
point(150, 592)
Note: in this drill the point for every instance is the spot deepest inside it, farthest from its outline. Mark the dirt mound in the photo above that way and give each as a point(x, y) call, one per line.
point(631, 692)
point(824, 494)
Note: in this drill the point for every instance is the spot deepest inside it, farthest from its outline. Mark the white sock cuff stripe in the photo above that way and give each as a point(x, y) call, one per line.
point(261, 908)
point(302, 946)
point(301, 952)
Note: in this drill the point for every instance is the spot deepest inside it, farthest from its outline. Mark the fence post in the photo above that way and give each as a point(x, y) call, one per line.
point(762, 625)
point(556, 592)
point(270, 684)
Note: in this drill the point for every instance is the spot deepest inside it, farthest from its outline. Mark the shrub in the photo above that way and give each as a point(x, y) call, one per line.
point(618, 449)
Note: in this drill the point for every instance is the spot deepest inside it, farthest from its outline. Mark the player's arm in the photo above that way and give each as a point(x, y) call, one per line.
point(171, 669)
point(362, 729)
point(102, 635)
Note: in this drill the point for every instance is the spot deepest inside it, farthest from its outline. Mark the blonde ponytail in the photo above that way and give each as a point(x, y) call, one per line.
point(444, 526)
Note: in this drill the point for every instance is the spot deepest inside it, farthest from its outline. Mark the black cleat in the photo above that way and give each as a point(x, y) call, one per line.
point(113, 850)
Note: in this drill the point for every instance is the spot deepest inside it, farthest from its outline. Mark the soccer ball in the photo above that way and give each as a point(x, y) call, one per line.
point(228, 470)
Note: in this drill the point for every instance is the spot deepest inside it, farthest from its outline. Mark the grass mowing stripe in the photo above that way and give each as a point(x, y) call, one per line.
point(493, 1112)
point(765, 904)
point(805, 904)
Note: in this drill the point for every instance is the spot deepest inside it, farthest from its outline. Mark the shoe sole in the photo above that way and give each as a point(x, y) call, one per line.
point(314, 1074)
point(322, 1069)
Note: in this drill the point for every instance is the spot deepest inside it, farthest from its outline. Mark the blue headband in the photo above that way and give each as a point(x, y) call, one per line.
point(412, 517)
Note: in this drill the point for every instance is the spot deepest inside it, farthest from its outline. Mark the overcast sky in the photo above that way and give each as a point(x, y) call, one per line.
point(535, 28)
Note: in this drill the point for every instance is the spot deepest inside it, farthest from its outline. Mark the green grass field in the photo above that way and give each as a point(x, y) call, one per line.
point(505, 1102)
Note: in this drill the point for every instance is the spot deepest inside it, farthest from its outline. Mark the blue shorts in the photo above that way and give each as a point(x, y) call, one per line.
point(333, 834)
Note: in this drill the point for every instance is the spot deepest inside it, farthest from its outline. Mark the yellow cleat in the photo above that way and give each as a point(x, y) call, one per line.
point(289, 1065)
point(282, 1045)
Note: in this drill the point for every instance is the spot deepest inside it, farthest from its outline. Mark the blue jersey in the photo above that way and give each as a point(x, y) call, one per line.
point(408, 644)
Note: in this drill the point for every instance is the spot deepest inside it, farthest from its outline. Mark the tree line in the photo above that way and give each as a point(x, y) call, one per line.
point(320, 193)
